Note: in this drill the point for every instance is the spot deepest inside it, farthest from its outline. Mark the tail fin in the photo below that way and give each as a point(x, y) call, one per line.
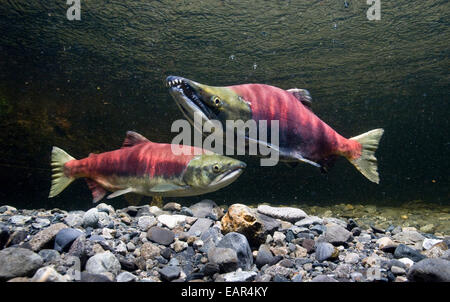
point(59, 180)
point(367, 162)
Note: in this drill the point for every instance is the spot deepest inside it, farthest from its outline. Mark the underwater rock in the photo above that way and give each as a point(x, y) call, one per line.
point(126, 277)
point(103, 262)
point(430, 270)
point(171, 221)
point(73, 220)
point(48, 274)
point(308, 221)
point(89, 277)
point(45, 236)
point(49, 255)
point(200, 225)
point(149, 251)
point(239, 243)
point(408, 237)
point(325, 250)
point(323, 278)
point(404, 251)
point(428, 243)
point(336, 234)
point(172, 206)
point(351, 258)
point(226, 258)
point(264, 256)
point(90, 218)
point(169, 273)
point(284, 213)
point(18, 262)
point(19, 219)
point(206, 208)
point(146, 222)
point(160, 235)
point(238, 276)
point(437, 250)
point(65, 237)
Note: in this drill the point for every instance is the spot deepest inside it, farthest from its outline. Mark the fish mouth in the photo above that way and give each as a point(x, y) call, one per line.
point(187, 97)
point(228, 177)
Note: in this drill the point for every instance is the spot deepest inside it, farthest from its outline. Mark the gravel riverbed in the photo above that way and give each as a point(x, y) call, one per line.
point(205, 242)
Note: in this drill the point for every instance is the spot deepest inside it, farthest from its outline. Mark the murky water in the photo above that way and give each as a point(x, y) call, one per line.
point(81, 85)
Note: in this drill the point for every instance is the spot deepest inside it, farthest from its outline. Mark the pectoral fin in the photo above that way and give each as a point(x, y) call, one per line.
point(120, 192)
point(165, 188)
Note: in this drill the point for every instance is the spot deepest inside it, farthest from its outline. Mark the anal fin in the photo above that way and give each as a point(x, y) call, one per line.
point(97, 190)
point(120, 192)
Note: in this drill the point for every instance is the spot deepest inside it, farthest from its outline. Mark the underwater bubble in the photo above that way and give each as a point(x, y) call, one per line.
point(255, 66)
point(335, 25)
point(232, 57)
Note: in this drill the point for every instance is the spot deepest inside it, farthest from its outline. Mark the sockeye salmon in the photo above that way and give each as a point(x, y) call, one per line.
point(303, 137)
point(146, 168)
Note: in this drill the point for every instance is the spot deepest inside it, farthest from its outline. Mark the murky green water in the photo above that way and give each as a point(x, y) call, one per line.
point(81, 85)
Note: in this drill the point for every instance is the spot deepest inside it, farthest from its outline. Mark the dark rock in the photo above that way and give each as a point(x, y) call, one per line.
point(305, 236)
point(210, 238)
point(4, 236)
point(318, 228)
point(169, 273)
point(161, 260)
point(275, 260)
point(309, 245)
point(226, 258)
point(131, 211)
point(186, 211)
point(351, 225)
point(194, 276)
point(49, 255)
point(323, 278)
point(126, 277)
point(88, 277)
point(210, 269)
point(127, 264)
point(390, 228)
point(200, 225)
point(377, 229)
point(16, 237)
point(286, 263)
point(18, 262)
point(430, 270)
point(356, 231)
point(239, 243)
point(172, 206)
point(65, 237)
point(269, 224)
point(403, 251)
point(278, 278)
point(166, 253)
point(325, 250)
point(264, 256)
point(289, 236)
point(160, 235)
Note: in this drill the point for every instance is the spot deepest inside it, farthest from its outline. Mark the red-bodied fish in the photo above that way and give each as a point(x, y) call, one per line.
point(146, 168)
point(302, 135)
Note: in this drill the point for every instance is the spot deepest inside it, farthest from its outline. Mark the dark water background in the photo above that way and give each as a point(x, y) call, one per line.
point(81, 85)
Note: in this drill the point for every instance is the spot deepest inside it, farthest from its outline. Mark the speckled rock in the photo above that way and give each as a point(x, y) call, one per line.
point(239, 243)
point(284, 213)
point(149, 251)
point(146, 222)
point(45, 236)
point(325, 250)
point(226, 258)
point(336, 234)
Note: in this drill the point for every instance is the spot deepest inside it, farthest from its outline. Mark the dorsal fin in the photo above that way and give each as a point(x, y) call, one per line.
point(302, 95)
point(133, 139)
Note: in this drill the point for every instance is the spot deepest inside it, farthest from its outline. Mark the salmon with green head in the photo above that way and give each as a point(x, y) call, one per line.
point(303, 136)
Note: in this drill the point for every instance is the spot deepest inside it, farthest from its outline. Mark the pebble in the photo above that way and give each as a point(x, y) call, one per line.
point(160, 235)
point(18, 262)
point(200, 225)
point(19, 219)
point(238, 276)
point(403, 251)
point(226, 258)
point(171, 221)
point(336, 234)
point(146, 222)
point(172, 206)
point(351, 258)
point(428, 243)
point(264, 256)
point(169, 273)
point(204, 208)
point(91, 218)
point(48, 274)
point(284, 213)
point(65, 237)
point(325, 250)
point(149, 251)
point(45, 236)
point(103, 262)
point(239, 243)
point(430, 270)
point(308, 221)
point(126, 277)
point(323, 278)
point(73, 220)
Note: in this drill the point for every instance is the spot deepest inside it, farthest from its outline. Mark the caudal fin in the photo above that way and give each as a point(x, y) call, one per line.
point(367, 162)
point(59, 180)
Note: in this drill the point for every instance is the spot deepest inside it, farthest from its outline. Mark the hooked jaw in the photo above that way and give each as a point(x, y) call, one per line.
point(187, 96)
point(228, 177)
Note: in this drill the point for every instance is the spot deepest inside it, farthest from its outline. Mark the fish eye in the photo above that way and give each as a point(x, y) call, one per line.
point(216, 101)
point(216, 168)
